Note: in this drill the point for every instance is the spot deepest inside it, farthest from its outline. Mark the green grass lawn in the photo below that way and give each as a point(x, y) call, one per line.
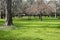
point(34, 29)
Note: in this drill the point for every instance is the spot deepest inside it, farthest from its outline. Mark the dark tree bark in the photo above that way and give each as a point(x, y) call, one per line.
point(29, 17)
point(55, 15)
point(2, 16)
point(40, 16)
point(8, 13)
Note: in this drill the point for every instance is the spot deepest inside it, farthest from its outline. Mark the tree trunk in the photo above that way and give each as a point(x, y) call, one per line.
point(29, 17)
point(2, 15)
point(8, 13)
point(40, 16)
point(55, 15)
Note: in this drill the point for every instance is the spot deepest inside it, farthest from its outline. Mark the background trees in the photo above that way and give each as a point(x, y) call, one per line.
point(20, 7)
point(29, 7)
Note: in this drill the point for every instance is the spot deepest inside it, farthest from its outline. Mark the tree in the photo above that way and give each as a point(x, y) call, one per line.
point(1, 9)
point(53, 4)
point(8, 13)
point(32, 10)
point(36, 8)
point(40, 4)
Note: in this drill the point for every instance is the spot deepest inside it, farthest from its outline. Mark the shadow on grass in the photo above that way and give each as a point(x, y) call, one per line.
point(30, 26)
point(21, 38)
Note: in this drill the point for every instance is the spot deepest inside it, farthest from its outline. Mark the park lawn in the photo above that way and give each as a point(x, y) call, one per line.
point(34, 29)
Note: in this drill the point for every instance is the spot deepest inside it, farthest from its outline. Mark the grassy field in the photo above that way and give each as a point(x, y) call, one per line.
point(34, 29)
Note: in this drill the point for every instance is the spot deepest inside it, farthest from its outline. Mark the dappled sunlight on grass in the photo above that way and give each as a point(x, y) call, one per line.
point(34, 29)
point(35, 22)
